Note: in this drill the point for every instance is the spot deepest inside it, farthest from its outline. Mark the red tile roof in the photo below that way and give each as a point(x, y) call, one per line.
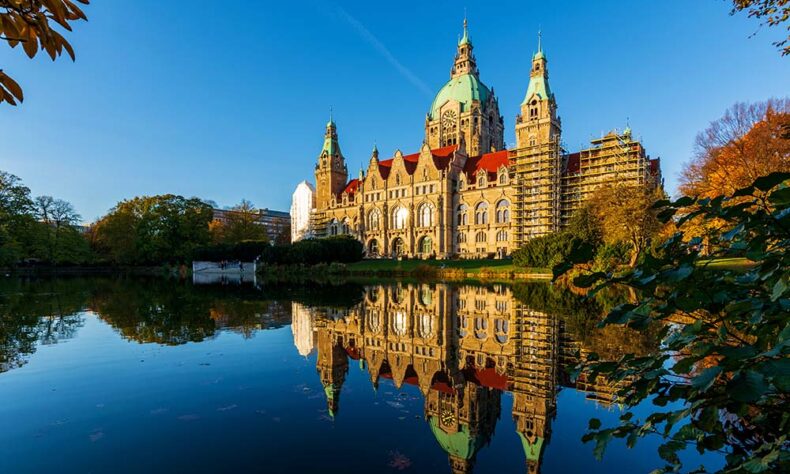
point(441, 158)
point(491, 162)
point(351, 187)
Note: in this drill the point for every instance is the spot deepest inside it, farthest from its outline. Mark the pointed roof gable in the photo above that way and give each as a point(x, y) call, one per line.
point(441, 159)
point(490, 162)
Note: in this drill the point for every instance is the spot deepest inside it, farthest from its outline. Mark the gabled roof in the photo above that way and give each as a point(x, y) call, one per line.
point(351, 187)
point(441, 158)
point(490, 162)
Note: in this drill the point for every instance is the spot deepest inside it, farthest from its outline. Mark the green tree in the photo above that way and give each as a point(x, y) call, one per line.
point(722, 380)
point(240, 223)
point(32, 23)
point(15, 220)
point(153, 230)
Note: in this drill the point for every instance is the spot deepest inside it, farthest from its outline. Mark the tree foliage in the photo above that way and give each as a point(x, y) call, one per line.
point(239, 224)
point(771, 13)
point(626, 215)
point(33, 24)
point(725, 367)
point(748, 141)
point(343, 249)
point(41, 229)
point(546, 251)
point(152, 230)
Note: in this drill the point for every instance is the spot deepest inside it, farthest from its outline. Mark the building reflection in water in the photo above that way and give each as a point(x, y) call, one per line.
point(463, 346)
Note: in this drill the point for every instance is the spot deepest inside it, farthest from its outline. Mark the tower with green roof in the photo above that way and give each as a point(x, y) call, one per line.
point(465, 108)
point(536, 162)
point(331, 172)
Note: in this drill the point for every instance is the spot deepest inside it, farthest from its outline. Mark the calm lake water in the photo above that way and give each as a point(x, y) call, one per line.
point(117, 375)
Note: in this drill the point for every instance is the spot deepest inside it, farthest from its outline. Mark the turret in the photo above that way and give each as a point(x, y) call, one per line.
point(331, 173)
point(538, 123)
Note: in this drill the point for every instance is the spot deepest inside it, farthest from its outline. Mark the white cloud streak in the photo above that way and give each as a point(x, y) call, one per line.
point(371, 39)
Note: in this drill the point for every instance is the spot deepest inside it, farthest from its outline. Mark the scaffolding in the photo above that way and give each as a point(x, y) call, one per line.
point(615, 158)
point(536, 174)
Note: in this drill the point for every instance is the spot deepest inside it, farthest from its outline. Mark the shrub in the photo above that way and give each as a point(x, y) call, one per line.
point(546, 251)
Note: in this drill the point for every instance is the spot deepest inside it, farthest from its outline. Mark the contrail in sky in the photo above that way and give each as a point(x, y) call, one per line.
point(379, 46)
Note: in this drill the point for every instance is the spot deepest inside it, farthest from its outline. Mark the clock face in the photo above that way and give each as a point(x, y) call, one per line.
point(447, 417)
point(449, 119)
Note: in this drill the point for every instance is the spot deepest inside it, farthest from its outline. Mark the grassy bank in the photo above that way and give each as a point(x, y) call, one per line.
point(502, 270)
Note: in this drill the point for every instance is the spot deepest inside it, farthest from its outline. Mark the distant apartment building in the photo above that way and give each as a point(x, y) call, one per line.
point(275, 222)
point(302, 204)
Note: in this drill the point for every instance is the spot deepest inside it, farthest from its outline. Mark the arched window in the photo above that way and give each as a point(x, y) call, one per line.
point(461, 216)
point(399, 217)
point(397, 180)
point(481, 181)
point(425, 174)
point(374, 219)
point(374, 321)
point(481, 326)
point(425, 325)
point(480, 237)
point(502, 177)
point(461, 237)
point(501, 236)
point(503, 212)
point(397, 247)
point(426, 246)
point(481, 213)
point(461, 183)
point(399, 323)
point(346, 227)
point(425, 215)
point(397, 294)
point(373, 248)
point(426, 295)
point(333, 227)
point(500, 330)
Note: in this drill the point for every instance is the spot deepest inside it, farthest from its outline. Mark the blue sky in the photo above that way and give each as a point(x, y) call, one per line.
point(228, 100)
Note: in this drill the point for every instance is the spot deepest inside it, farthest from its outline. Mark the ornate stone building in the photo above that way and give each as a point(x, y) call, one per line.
point(463, 194)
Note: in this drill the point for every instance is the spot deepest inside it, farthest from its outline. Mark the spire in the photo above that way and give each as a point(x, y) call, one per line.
point(331, 145)
point(465, 38)
point(464, 58)
point(539, 54)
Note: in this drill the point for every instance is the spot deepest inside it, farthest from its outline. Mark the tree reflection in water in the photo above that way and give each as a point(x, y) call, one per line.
point(462, 346)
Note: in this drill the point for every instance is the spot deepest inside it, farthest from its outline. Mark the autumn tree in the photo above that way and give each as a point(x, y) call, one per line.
point(769, 12)
point(626, 215)
point(33, 24)
point(238, 224)
point(749, 141)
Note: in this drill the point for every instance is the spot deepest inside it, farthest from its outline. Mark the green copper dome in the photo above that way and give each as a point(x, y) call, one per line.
point(461, 444)
point(465, 89)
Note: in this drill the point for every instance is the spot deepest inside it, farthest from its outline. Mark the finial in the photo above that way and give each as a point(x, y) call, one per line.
point(330, 113)
point(465, 38)
point(540, 37)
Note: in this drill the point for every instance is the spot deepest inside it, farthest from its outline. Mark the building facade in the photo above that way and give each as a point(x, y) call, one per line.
point(302, 205)
point(276, 223)
point(463, 194)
